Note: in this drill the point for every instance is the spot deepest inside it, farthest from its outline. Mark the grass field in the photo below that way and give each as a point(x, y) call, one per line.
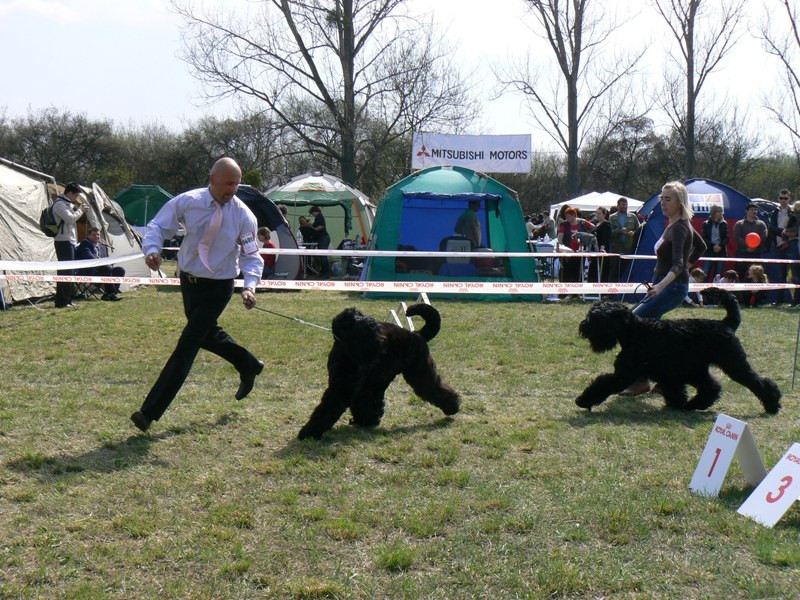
point(521, 495)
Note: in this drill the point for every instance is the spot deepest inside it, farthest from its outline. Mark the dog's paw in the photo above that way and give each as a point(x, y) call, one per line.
point(583, 401)
point(307, 432)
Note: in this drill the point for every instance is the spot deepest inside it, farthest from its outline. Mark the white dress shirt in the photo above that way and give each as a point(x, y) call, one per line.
point(235, 244)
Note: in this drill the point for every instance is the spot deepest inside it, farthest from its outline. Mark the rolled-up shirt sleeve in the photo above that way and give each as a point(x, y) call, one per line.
point(163, 226)
point(250, 261)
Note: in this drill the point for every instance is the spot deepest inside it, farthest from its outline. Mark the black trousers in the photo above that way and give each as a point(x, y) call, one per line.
point(64, 251)
point(109, 271)
point(203, 302)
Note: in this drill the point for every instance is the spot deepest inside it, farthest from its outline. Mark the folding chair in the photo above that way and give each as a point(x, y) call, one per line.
point(87, 291)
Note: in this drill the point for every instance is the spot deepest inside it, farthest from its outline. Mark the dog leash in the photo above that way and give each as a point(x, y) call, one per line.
point(277, 314)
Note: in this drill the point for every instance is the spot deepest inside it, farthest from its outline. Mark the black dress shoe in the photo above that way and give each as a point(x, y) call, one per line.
point(141, 421)
point(248, 379)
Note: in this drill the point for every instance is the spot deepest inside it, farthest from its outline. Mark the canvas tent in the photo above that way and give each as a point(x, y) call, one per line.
point(348, 212)
point(117, 237)
point(287, 266)
point(420, 212)
point(141, 203)
point(703, 193)
point(23, 196)
point(589, 202)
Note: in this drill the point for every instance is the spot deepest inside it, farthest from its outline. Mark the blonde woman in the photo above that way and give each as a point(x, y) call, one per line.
point(679, 247)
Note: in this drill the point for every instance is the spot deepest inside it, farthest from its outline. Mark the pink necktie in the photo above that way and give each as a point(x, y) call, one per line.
point(211, 233)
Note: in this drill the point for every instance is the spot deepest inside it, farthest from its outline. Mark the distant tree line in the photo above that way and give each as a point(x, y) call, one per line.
point(633, 159)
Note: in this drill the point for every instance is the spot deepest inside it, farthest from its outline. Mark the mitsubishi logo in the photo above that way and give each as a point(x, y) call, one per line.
point(423, 152)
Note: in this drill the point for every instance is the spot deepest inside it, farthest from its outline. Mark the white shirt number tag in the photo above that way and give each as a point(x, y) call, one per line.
point(249, 244)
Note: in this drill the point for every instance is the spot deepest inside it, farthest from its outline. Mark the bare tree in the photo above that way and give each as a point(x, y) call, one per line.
point(781, 38)
point(578, 38)
point(325, 68)
point(704, 38)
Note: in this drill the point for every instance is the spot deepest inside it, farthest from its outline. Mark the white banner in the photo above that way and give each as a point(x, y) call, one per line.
point(487, 153)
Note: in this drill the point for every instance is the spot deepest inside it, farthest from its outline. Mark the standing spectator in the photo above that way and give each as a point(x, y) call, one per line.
point(567, 236)
point(264, 237)
point(530, 226)
point(323, 240)
point(90, 249)
point(679, 247)
point(548, 227)
point(599, 267)
point(750, 224)
point(624, 226)
point(67, 211)
point(715, 235)
point(220, 236)
point(469, 225)
point(783, 226)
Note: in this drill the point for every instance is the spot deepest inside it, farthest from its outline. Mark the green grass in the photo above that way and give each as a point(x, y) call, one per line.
point(520, 495)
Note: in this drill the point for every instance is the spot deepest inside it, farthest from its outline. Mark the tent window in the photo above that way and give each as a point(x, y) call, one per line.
point(426, 222)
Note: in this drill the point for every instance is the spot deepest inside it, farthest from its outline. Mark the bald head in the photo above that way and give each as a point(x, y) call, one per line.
point(224, 179)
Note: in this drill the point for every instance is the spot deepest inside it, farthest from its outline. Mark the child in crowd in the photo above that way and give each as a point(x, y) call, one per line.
point(264, 235)
point(755, 274)
point(695, 299)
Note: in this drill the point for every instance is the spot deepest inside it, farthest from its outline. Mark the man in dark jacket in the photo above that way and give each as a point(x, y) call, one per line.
point(90, 249)
point(783, 228)
point(715, 235)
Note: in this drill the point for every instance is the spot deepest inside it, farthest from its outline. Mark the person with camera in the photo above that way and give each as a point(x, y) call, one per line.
point(67, 210)
point(783, 227)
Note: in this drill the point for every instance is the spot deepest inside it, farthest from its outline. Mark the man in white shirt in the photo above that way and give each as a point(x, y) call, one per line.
point(220, 241)
point(67, 212)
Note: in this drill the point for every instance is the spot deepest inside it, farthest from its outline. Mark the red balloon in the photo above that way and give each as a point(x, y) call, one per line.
point(753, 240)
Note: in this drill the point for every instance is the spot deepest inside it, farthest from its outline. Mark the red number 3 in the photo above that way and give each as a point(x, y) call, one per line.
point(787, 481)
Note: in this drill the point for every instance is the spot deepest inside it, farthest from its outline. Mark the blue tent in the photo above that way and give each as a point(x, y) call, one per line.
point(703, 193)
point(419, 213)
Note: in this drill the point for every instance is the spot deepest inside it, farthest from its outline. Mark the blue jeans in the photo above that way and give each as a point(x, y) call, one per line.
point(670, 297)
point(789, 253)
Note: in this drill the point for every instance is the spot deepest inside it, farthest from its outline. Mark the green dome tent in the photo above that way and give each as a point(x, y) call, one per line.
point(420, 213)
point(348, 212)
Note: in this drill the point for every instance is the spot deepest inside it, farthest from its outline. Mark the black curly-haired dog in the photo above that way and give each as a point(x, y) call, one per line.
point(673, 353)
point(366, 357)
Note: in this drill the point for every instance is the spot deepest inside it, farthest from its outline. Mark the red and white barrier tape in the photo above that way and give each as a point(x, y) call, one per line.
point(449, 287)
point(18, 265)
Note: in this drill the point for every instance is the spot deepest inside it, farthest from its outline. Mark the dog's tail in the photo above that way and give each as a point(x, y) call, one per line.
point(734, 316)
point(433, 321)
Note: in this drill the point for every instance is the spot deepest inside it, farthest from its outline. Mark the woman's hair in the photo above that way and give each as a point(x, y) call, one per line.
point(263, 232)
point(603, 210)
point(570, 211)
point(757, 274)
point(698, 273)
point(715, 208)
point(683, 198)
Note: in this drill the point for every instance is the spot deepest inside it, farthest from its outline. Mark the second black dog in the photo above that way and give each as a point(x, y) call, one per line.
point(366, 357)
point(673, 353)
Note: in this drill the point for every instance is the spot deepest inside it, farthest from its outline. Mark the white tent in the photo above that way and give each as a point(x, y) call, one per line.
point(589, 202)
point(348, 212)
point(23, 196)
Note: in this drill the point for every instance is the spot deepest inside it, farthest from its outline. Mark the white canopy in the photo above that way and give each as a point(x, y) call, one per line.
point(590, 201)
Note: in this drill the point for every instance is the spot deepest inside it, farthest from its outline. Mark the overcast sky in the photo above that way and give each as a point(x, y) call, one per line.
point(119, 59)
